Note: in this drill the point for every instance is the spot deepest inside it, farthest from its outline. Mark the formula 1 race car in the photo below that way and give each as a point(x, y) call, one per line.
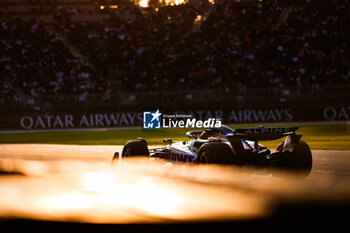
point(226, 146)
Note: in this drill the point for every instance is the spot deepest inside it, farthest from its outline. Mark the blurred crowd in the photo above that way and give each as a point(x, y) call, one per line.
point(34, 62)
point(230, 45)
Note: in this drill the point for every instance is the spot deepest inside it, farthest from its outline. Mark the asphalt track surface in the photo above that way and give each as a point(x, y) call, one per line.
point(52, 188)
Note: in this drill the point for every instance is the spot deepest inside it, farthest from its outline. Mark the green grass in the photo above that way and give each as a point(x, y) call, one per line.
point(322, 137)
point(329, 137)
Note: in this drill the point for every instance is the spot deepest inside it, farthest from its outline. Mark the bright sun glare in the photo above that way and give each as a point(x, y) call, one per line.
point(144, 194)
point(144, 3)
point(65, 201)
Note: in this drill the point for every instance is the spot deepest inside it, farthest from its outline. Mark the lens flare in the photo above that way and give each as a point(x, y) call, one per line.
point(143, 3)
point(144, 194)
point(64, 202)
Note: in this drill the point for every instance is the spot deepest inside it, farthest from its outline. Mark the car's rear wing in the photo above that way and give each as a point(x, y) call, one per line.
point(264, 134)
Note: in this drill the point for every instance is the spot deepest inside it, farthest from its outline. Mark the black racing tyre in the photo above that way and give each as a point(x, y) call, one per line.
point(135, 148)
point(280, 147)
point(115, 156)
point(215, 152)
point(300, 160)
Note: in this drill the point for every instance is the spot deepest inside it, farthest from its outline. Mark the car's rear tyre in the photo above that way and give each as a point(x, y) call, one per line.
point(215, 152)
point(300, 160)
point(280, 147)
point(135, 148)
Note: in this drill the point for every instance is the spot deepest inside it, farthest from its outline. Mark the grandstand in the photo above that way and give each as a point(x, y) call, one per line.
point(116, 53)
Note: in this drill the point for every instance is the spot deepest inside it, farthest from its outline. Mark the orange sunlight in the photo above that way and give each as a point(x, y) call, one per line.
point(144, 3)
point(144, 194)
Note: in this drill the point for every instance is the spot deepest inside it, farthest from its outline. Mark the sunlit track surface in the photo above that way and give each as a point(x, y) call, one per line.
point(79, 184)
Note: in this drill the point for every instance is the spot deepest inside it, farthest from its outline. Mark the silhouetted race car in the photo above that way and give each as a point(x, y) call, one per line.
point(227, 146)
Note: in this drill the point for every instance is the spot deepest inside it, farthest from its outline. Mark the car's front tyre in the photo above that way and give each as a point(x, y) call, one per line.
point(135, 148)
